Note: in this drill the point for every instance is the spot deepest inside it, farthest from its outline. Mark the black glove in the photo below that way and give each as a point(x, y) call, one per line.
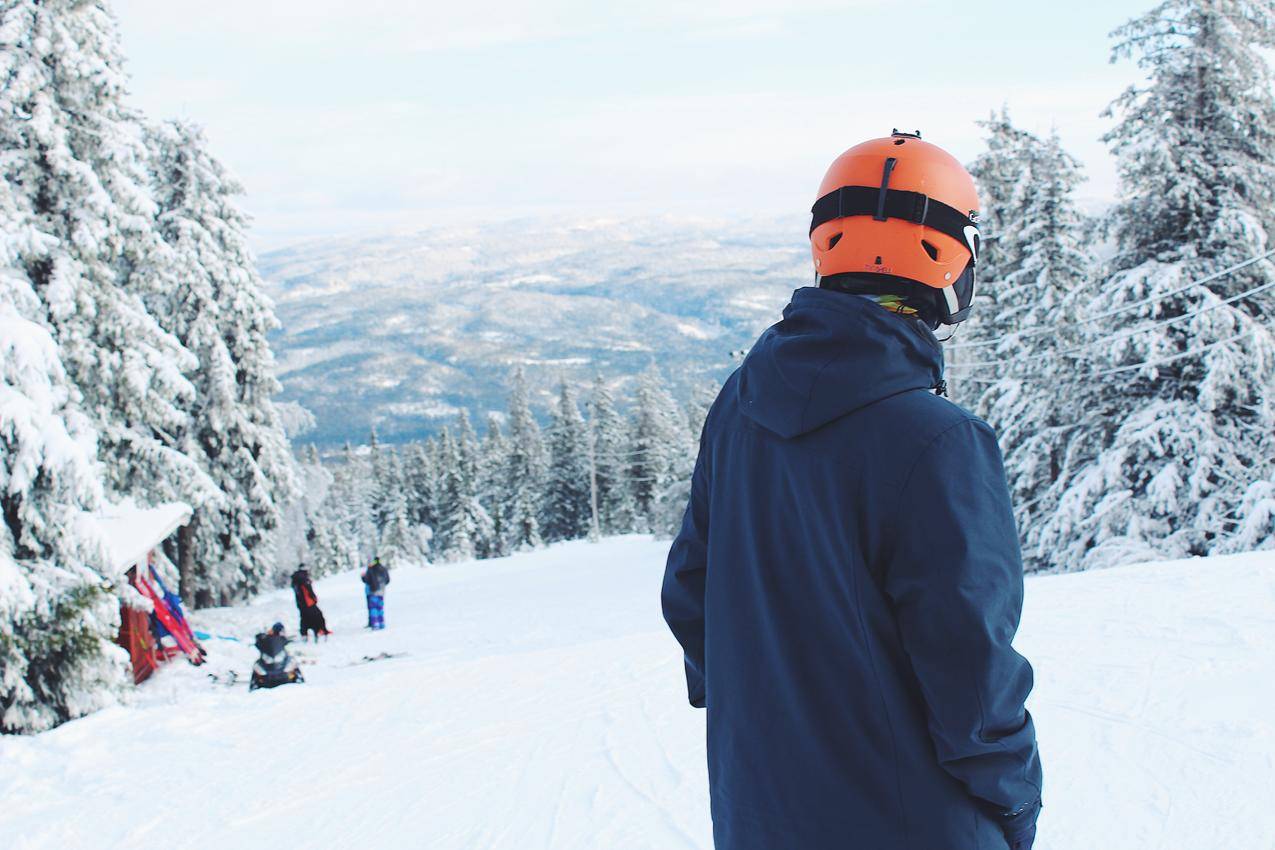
point(1023, 840)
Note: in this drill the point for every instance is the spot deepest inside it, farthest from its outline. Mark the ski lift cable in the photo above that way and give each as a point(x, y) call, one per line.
point(1173, 320)
point(1181, 355)
point(1027, 333)
point(1172, 357)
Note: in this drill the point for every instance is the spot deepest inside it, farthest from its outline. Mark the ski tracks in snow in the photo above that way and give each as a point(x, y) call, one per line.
point(541, 705)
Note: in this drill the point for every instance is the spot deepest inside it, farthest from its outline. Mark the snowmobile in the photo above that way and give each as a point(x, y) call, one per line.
point(275, 666)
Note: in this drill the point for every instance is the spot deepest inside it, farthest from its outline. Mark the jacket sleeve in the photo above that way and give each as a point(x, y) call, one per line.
point(682, 596)
point(955, 577)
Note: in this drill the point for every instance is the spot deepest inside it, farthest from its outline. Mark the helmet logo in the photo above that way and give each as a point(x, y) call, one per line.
point(972, 239)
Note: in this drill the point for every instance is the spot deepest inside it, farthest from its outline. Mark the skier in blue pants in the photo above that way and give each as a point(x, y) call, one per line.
point(376, 579)
point(846, 583)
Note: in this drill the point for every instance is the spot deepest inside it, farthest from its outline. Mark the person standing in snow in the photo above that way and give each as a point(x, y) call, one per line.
point(847, 582)
point(375, 579)
point(312, 619)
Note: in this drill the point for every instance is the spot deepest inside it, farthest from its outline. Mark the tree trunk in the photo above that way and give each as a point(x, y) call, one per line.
point(186, 561)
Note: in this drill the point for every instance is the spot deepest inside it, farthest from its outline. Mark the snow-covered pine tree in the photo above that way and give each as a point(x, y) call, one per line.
point(290, 541)
point(419, 483)
point(386, 486)
point(658, 444)
point(58, 616)
point(1196, 142)
point(1002, 173)
point(310, 532)
point(463, 525)
point(351, 502)
point(702, 398)
point(493, 464)
point(221, 314)
point(330, 548)
point(380, 472)
point(524, 470)
point(672, 506)
point(567, 512)
point(467, 449)
point(1185, 427)
point(469, 454)
point(616, 510)
point(1029, 398)
point(403, 544)
point(88, 245)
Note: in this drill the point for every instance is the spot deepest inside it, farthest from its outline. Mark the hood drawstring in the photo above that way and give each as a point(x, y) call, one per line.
point(941, 388)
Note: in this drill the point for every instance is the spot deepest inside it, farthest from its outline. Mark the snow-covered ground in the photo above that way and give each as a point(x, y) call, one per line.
point(537, 702)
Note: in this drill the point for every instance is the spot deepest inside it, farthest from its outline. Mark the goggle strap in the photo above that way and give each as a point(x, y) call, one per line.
point(882, 202)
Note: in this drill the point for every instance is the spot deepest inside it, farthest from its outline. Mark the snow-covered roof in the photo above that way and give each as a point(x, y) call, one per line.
point(131, 531)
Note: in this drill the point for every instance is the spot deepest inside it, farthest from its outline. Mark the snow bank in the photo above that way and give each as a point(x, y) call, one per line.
point(537, 702)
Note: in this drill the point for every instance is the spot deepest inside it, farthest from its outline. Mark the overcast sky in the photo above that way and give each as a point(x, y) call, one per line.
point(369, 114)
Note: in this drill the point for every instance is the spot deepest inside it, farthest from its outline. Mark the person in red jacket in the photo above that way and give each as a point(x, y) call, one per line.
point(312, 619)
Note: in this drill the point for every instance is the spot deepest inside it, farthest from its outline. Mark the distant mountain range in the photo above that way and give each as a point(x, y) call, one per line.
point(401, 331)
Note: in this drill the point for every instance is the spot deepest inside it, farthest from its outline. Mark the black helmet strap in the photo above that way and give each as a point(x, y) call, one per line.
point(882, 202)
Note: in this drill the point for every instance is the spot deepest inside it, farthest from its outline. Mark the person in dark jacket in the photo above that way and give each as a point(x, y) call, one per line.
point(375, 579)
point(847, 582)
point(272, 642)
point(312, 619)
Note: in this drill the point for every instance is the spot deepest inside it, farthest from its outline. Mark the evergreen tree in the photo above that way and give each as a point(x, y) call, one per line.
point(403, 544)
point(1196, 141)
point(419, 485)
point(221, 314)
point(332, 546)
point(493, 466)
point(386, 485)
point(464, 526)
point(1034, 416)
point(86, 241)
point(616, 511)
point(567, 511)
point(351, 503)
point(1003, 174)
point(524, 471)
point(467, 450)
point(1181, 431)
point(57, 656)
point(658, 446)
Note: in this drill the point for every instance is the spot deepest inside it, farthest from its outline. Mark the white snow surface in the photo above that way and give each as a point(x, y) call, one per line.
point(538, 702)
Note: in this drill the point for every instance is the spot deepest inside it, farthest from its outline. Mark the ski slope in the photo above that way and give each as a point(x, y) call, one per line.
point(537, 702)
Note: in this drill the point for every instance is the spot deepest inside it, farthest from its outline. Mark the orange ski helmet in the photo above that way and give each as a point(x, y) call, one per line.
point(896, 212)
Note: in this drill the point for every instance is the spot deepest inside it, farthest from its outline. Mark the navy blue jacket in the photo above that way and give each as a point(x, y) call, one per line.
point(846, 585)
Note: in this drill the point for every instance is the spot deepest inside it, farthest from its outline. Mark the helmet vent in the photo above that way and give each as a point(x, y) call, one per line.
point(931, 250)
point(899, 141)
point(832, 243)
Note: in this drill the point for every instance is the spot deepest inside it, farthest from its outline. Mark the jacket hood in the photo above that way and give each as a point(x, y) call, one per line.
point(831, 354)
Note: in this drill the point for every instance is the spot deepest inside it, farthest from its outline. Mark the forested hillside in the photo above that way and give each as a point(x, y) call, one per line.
point(136, 366)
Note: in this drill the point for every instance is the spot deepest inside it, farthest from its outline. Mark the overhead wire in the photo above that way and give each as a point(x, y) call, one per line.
point(1046, 355)
point(1027, 333)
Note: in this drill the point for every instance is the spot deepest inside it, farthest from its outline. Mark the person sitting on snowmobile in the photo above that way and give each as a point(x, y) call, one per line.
point(275, 666)
point(375, 579)
point(312, 619)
